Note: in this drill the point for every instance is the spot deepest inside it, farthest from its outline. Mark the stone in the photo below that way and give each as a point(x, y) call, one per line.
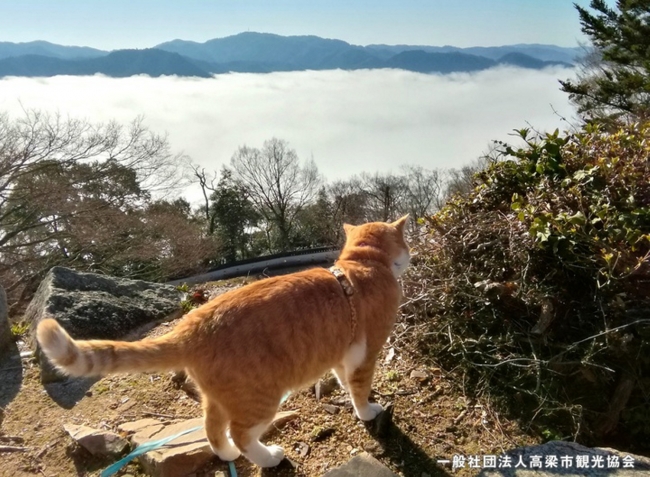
point(331, 408)
point(343, 401)
point(99, 443)
point(151, 426)
point(181, 380)
point(6, 337)
point(282, 418)
point(183, 455)
point(302, 448)
point(419, 375)
point(573, 450)
point(322, 434)
point(362, 465)
point(180, 457)
point(325, 386)
point(375, 448)
point(93, 306)
point(381, 425)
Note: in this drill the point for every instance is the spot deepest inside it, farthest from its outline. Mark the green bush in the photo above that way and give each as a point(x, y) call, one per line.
point(535, 287)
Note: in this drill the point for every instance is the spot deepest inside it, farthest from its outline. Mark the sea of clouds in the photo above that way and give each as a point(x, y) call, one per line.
point(348, 121)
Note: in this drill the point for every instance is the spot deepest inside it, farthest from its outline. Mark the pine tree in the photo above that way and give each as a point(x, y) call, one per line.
point(615, 81)
point(233, 215)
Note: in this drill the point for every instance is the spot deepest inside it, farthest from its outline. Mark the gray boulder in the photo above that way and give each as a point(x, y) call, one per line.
point(5, 329)
point(98, 442)
point(363, 465)
point(92, 306)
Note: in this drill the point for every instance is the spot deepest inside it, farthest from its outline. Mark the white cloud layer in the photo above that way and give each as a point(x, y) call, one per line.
point(371, 120)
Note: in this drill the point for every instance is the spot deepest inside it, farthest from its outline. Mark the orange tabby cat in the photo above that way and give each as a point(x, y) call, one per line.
point(246, 348)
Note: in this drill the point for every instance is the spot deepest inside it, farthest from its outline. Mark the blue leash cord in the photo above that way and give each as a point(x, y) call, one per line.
point(148, 446)
point(144, 448)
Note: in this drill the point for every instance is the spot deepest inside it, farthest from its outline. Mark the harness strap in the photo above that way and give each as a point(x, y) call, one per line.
point(348, 289)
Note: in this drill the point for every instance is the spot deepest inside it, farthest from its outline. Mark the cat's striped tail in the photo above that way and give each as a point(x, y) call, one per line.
point(99, 357)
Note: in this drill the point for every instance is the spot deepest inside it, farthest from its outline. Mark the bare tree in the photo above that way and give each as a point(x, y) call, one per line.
point(207, 183)
point(423, 193)
point(385, 194)
point(349, 202)
point(279, 186)
point(462, 181)
point(65, 184)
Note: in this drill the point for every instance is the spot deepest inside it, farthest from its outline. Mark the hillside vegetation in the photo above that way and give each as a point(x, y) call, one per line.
point(534, 288)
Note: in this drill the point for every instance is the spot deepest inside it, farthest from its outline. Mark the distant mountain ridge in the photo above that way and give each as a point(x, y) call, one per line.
point(539, 52)
point(264, 53)
point(117, 64)
point(45, 48)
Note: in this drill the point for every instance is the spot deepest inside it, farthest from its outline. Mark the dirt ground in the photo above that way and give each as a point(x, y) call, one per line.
point(431, 420)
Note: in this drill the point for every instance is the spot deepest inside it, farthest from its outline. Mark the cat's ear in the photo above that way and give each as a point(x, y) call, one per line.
point(348, 228)
point(400, 224)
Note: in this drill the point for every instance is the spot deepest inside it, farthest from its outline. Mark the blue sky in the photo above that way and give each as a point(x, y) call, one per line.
point(113, 24)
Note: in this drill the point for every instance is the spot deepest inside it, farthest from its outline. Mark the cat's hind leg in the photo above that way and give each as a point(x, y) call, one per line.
point(339, 373)
point(246, 428)
point(247, 438)
point(216, 422)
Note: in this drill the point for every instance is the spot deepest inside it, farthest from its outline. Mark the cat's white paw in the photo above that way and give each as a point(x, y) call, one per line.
point(264, 456)
point(227, 453)
point(274, 457)
point(369, 412)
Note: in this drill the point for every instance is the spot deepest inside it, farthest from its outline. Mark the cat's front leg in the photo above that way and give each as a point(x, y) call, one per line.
point(360, 382)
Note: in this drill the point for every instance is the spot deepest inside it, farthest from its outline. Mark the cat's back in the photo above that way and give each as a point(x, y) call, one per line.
point(315, 284)
point(303, 296)
point(295, 322)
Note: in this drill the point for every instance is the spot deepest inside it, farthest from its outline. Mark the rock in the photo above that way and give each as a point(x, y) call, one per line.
point(331, 408)
point(151, 426)
point(374, 448)
point(98, 442)
point(325, 387)
point(419, 375)
point(180, 457)
point(599, 462)
point(362, 465)
point(6, 337)
point(322, 434)
point(181, 380)
point(282, 418)
point(302, 448)
point(344, 402)
point(89, 305)
point(380, 426)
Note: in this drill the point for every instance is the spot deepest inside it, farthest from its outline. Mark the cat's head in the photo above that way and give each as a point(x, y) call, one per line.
point(386, 237)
